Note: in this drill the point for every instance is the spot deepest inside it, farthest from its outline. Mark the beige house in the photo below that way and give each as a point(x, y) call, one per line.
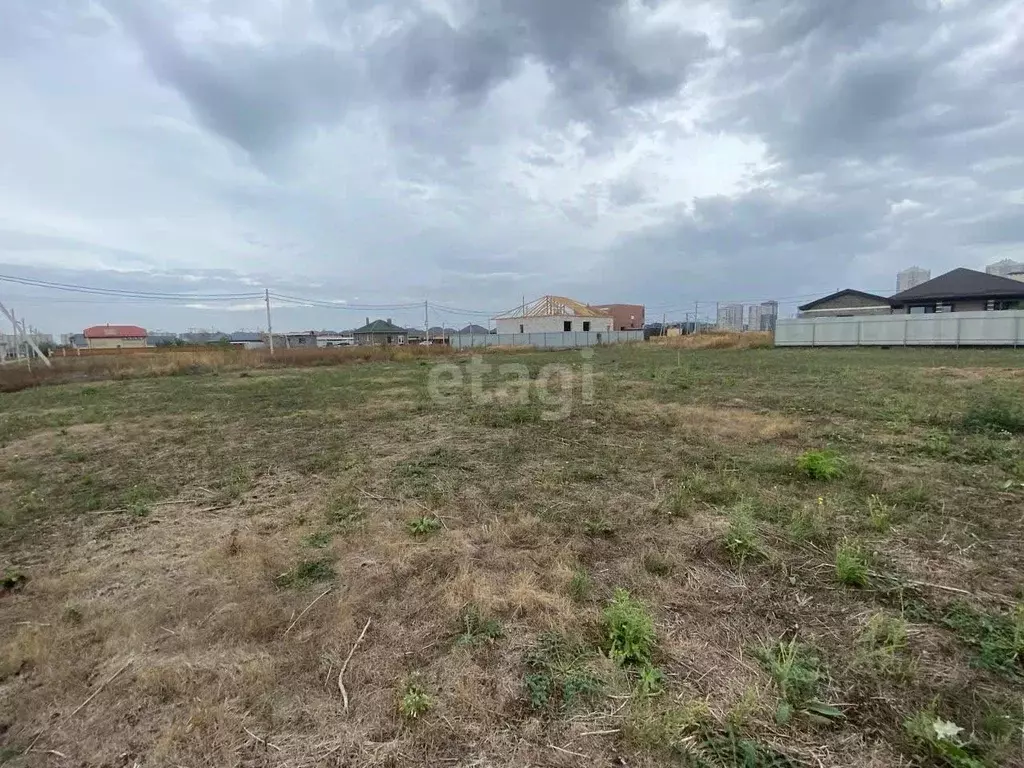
point(115, 337)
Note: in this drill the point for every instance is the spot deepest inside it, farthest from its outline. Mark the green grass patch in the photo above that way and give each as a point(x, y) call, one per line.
point(821, 465)
point(996, 638)
point(307, 572)
point(580, 585)
point(560, 673)
point(851, 565)
point(318, 540)
point(994, 415)
point(741, 539)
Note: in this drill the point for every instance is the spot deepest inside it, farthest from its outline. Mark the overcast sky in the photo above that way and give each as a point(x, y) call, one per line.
point(471, 152)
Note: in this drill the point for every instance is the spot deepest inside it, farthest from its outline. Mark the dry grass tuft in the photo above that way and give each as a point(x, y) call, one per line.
point(717, 340)
point(184, 361)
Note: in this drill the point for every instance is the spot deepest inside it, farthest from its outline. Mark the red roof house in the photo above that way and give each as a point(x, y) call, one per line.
point(112, 336)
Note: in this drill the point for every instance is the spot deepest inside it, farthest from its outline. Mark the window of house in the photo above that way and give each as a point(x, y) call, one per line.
point(1003, 305)
point(567, 326)
point(925, 309)
point(586, 325)
point(521, 328)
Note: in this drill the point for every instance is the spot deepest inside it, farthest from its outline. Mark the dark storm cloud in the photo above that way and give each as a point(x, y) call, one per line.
point(822, 81)
point(260, 96)
point(256, 96)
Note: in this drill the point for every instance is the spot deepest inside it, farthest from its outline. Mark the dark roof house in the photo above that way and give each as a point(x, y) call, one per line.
point(962, 290)
point(380, 332)
point(473, 328)
point(847, 303)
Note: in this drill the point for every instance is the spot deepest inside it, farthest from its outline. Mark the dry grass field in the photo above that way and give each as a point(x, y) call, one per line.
point(728, 558)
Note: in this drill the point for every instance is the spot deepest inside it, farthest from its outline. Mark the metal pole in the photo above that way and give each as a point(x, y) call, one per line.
point(270, 327)
point(28, 354)
point(426, 320)
point(17, 334)
point(696, 311)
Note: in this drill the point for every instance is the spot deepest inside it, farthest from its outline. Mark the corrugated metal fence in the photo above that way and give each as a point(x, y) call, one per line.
point(953, 329)
point(571, 340)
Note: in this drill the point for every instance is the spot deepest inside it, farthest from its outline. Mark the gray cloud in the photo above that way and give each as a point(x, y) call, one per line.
point(471, 151)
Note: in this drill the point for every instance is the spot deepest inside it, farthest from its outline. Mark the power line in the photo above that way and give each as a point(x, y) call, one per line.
point(126, 293)
point(339, 304)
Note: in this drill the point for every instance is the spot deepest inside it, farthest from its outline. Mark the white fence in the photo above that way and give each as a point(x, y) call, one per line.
point(952, 329)
point(571, 340)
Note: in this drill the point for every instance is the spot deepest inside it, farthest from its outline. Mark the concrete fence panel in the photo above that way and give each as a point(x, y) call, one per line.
point(952, 329)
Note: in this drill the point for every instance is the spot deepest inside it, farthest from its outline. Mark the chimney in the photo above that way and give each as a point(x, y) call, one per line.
point(367, 320)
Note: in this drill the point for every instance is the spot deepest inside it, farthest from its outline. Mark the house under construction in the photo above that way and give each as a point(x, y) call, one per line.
point(554, 314)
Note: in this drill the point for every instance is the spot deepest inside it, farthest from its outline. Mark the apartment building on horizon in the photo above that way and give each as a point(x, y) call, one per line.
point(911, 278)
point(730, 317)
point(1007, 268)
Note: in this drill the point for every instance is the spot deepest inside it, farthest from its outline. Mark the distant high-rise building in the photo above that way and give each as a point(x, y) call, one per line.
point(1005, 268)
point(730, 317)
point(911, 277)
point(753, 317)
point(767, 315)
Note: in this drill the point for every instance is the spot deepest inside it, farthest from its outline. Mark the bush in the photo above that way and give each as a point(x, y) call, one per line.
point(821, 465)
point(629, 630)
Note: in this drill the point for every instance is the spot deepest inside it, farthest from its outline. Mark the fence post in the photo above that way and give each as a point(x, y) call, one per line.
point(814, 331)
point(959, 321)
point(906, 327)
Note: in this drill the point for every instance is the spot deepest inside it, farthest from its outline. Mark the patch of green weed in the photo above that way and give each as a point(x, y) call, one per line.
point(414, 701)
point(476, 629)
point(307, 572)
point(796, 670)
point(424, 525)
point(560, 675)
point(997, 638)
point(943, 740)
point(821, 465)
point(318, 540)
point(629, 631)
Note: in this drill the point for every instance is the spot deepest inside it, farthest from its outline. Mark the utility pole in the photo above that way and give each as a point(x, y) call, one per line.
point(19, 330)
point(664, 318)
point(24, 338)
point(426, 320)
point(696, 311)
point(270, 327)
